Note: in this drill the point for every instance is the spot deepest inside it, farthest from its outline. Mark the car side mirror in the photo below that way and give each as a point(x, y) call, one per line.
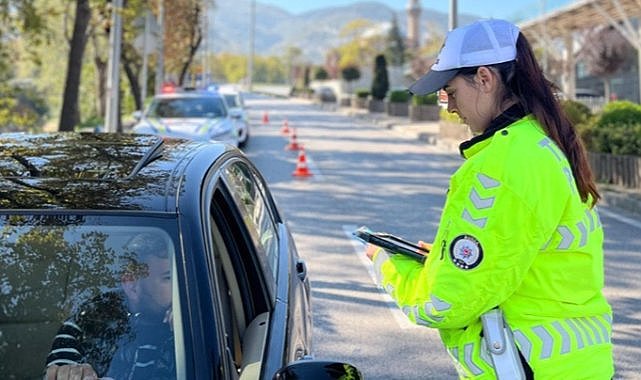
point(137, 114)
point(235, 114)
point(318, 370)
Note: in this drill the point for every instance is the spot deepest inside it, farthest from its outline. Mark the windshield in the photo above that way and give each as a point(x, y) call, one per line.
point(87, 289)
point(197, 107)
point(231, 100)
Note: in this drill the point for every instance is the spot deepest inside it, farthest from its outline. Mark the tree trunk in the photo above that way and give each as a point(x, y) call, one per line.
point(132, 77)
point(190, 58)
point(70, 114)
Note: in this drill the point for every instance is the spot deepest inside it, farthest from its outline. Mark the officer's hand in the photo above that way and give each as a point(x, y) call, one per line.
point(425, 245)
point(71, 371)
point(371, 250)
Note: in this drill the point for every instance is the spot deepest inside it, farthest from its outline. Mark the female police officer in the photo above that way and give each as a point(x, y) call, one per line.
point(519, 236)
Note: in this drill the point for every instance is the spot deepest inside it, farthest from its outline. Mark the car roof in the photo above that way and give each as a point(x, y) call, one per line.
point(188, 94)
point(100, 171)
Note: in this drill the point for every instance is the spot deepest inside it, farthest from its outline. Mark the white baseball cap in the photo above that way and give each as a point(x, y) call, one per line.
point(484, 42)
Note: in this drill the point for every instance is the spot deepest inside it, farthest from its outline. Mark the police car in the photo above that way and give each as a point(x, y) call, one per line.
point(196, 115)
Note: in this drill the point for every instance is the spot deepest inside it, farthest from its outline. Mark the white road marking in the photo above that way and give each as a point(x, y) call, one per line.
point(359, 249)
point(620, 218)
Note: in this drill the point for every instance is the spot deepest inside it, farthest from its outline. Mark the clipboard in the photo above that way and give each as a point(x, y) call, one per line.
point(391, 243)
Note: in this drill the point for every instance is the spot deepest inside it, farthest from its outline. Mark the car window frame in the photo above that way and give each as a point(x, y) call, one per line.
point(216, 197)
point(269, 260)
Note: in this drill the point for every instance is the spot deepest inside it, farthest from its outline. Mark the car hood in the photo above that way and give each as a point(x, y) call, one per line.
point(188, 127)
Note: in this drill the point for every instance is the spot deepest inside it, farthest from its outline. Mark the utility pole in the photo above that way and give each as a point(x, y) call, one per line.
point(453, 14)
point(113, 72)
point(252, 36)
point(160, 40)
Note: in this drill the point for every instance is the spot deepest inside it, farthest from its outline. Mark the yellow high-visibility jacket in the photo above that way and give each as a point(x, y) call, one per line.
point(513, 234)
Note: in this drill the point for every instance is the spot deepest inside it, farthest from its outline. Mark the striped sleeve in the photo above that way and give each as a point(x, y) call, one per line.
point(65, 348)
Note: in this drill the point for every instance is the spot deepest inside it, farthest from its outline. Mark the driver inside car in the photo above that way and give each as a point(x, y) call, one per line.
point(124, 333)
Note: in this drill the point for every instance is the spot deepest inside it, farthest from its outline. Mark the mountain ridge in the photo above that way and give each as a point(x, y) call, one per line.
point(277, 29)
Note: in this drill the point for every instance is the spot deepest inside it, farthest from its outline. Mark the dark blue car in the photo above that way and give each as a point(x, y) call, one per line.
point(135, 256)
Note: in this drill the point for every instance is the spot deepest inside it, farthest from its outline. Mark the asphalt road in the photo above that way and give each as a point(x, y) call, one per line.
point(365, 174)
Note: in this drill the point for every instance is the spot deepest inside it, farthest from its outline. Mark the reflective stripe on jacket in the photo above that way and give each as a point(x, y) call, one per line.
point(514, 233)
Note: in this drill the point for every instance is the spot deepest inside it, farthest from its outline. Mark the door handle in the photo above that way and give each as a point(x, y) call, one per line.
point(301, 269)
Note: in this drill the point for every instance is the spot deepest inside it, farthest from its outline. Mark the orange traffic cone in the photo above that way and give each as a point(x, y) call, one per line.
point(301, 166)
point(285, 129)
point(293, 144)
point(265, 118)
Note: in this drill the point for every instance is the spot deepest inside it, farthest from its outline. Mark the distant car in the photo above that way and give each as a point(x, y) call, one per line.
point(237, 110)
point(71, 207)
point(198, 115)
point(325, 94)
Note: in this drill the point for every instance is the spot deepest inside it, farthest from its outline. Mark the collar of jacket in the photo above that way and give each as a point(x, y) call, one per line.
point(509, 116)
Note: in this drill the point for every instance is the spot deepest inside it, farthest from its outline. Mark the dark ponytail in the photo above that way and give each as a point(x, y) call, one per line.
point(526, 82)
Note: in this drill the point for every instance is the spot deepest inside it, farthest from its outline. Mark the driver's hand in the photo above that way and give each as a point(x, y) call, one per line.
point(71, 372)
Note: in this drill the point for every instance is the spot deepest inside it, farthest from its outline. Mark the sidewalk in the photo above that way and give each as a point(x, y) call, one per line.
point(628, 201)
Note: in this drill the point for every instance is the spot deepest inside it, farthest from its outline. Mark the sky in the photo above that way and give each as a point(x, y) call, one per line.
point(511, 10)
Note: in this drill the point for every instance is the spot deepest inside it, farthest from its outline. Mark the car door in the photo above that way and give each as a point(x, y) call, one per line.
point(246, 263)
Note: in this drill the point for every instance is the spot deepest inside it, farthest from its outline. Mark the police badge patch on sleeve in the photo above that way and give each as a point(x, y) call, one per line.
point(466, 252)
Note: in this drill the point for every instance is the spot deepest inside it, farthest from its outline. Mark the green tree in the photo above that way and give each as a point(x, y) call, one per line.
point(361, 43)
point(321, 74)
point(395, 50)
point(26, 18)
point(380, 82)
point(21, 107)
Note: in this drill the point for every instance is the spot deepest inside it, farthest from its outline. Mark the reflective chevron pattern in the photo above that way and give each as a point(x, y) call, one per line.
point(572, 237)
point(560, 337)
point(471, 363)
point(479, 202)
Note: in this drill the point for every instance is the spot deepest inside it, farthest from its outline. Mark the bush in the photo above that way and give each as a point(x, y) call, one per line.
point(617, 130)
point(399, 96)
point(351, 73)
point(418, 100)
point(362, 93)
point(581, 117)
point(577, 112)
point(619, 112)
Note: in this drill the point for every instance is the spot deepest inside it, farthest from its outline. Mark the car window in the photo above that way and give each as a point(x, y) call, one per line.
point(231, 100)
point(198, 107)
point(109, 287)
point(248, 196)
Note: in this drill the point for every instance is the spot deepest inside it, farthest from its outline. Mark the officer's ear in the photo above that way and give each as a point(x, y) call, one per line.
point(486, 79)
